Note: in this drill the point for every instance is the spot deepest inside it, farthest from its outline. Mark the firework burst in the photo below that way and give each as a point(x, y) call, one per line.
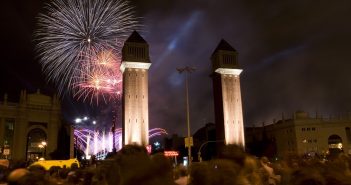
point(100, 78)
point(71, 32)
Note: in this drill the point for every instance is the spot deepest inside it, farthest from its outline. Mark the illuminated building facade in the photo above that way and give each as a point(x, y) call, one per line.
point(305, 135)
point(24, 126)
point(227, 95)
point(135, 65)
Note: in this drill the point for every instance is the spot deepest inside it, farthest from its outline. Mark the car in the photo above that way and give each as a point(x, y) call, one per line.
point(48, 164)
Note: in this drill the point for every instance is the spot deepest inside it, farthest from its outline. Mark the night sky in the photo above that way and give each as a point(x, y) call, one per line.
point(296, 55)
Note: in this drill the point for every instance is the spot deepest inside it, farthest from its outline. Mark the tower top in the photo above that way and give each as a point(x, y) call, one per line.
point(136, 38)
point(135, 53)
point(224, 46)
point(224, 57)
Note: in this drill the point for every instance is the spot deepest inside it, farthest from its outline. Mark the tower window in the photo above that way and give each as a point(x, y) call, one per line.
point(138, 52)
point(228, 59)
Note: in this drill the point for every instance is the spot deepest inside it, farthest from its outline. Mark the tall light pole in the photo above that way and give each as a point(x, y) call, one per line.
point(113, 128)
point(115, 112)
point(187, 70)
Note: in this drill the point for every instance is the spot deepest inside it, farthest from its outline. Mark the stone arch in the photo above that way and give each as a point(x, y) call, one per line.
point(335, 144)
point(348, 134)
point(334, 139)
point(35, 136)
point(37, 127)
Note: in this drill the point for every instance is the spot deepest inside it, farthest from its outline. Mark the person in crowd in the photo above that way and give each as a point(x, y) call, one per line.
point(250, 173)
point(4, 170)
point(16, 176)
point(181, 176)
point(272, 178)
point(307, 176)
point(132, 165)
point(136, 167)
point(218, 171)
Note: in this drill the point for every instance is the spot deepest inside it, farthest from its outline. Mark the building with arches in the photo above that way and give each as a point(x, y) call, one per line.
point(29, 128)
point(303, 134)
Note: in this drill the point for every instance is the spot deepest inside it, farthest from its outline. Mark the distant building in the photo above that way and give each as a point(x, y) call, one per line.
point(227, 94)
point(135, 110)
point(304, 135)
point(174, 142)
point(29, 128)
point(205, 140)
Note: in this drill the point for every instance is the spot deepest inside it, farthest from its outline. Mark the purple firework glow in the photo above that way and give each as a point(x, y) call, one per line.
point(99, 143)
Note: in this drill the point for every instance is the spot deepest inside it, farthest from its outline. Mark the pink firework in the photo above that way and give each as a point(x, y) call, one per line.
point(99, 78)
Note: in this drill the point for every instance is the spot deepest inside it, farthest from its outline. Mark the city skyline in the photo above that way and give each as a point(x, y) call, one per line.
point(294, 55)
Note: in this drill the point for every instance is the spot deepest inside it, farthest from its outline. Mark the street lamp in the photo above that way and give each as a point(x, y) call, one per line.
point(43, 143)
point(84, 120)
point(187, 70)
point(203, 144)
point(78, 120)
point(42, 146)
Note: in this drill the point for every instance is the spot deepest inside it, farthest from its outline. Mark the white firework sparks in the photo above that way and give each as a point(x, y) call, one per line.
point(71, 31)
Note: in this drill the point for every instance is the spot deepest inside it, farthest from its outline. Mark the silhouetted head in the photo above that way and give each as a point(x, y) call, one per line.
point(16, 175)
point(222, 171)
point(307, 176)
point(234, 153)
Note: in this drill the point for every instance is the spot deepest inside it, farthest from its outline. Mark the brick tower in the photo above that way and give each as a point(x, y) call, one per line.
point(227, 95)
point(135, 66)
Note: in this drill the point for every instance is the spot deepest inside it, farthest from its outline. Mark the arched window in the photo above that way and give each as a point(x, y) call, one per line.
point(348, 134)
point(36, 144)
point(335, 144)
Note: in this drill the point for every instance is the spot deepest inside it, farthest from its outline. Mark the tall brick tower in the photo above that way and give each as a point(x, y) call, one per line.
point(135, 66)
point(227, 95)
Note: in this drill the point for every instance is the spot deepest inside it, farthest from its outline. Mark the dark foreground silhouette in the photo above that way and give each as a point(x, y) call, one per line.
point(133, 166)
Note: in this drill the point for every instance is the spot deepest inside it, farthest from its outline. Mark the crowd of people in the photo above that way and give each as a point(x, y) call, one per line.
point(236, 167)
point(134, 166)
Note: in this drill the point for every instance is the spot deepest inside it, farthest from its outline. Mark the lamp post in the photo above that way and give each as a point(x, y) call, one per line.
point(114, 120)
point(113, 127)
point(187, 70)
